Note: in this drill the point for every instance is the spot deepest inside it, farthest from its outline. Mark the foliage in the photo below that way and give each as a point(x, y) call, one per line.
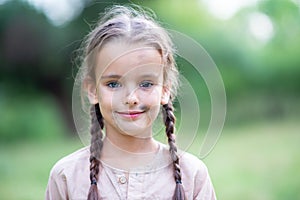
point(261, 79)
point(29, 117)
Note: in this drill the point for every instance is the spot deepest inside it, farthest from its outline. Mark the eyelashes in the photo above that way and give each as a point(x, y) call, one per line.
point(117, 84)
point(113, 84)
point(146, 84)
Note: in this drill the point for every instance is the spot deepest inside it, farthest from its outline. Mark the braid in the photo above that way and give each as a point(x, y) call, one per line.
point(95, 149)
point(169, 120)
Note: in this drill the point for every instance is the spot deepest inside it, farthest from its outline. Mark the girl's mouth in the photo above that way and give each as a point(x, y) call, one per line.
point(131, 114)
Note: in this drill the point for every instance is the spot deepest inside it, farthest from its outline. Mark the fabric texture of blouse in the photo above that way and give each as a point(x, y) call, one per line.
point(69, 179)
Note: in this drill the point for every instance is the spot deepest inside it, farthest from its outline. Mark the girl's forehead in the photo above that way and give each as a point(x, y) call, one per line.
point(124, 58)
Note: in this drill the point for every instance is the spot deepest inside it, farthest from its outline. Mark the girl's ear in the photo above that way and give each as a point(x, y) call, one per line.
point(89, 87)
point(165, 97)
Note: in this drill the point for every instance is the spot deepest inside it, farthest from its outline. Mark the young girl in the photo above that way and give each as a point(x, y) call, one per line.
point(128, 75)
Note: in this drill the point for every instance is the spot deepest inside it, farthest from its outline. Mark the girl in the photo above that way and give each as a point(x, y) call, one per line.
point(128, 75)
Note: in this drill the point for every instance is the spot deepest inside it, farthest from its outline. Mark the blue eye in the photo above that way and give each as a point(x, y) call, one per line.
point(146, 84)
point(113, 84)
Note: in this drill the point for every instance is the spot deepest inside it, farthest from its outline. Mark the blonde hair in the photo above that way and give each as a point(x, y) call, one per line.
point(134, 25)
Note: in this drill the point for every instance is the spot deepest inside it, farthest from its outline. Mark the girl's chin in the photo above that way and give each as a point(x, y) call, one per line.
point(136, 131)
point(136, 135)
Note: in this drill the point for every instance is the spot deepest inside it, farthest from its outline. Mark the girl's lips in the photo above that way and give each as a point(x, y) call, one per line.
point(131, 114)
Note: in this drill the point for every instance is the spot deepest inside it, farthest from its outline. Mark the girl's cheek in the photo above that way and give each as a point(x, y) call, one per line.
point(152, 99)
point(113, 99)
point(105, 97)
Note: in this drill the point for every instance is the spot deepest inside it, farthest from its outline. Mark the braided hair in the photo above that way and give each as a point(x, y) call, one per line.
point(169, 120)
point(96, 146)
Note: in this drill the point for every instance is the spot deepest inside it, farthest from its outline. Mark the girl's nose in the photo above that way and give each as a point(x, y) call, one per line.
point(131, 98)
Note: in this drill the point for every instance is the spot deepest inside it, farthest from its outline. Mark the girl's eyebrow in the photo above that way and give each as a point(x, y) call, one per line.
point(150, 75)
point(114, 76)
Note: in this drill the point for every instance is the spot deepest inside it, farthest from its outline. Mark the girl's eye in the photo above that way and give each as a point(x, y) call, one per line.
point(113, 84)
point(146, 84)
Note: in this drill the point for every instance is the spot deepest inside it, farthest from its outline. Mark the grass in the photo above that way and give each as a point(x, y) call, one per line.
point(261, 162)
point(258, 162)
point(25, 167)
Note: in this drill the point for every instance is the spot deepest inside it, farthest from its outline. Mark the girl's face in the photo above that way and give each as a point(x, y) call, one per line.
point(129, 88)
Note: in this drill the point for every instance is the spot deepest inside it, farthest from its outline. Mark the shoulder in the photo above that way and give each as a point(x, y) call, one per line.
point(71, 162)
point(66, 173)
point(195, 176)
point(191, 162)
point(188, 162)
point(193, 168)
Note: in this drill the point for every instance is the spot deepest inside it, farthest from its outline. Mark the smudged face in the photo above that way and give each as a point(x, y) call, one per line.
point(129, 88)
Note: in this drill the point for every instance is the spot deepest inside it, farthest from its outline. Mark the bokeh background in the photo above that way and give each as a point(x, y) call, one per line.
point(254, 43)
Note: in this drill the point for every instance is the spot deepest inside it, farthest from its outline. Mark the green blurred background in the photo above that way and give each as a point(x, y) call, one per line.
point(254, 43)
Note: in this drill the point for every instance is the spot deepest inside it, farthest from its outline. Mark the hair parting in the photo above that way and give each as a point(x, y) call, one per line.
point(169, 120)
point(95, 149)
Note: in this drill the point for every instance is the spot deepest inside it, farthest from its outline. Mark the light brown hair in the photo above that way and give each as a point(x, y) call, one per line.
point(135, 26)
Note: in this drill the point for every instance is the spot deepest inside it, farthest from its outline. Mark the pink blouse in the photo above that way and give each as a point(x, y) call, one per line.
point(69, 179)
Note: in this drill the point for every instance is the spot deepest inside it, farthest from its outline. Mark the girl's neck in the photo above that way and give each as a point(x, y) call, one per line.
point(142, 143)
point(132, 154)
point(130, 144)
